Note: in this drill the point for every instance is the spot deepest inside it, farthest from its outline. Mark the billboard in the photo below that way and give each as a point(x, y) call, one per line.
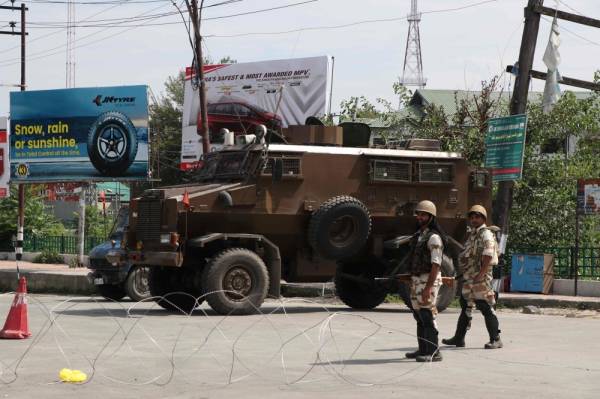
point(82, 134)
point(241, 96)
point(4, 161)
point(588, 196)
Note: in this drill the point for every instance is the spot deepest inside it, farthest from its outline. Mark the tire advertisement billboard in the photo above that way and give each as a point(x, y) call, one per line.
point(275, 93)
point(82, 134)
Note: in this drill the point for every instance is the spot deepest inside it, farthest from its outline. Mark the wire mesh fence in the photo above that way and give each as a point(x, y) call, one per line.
point(57, 244)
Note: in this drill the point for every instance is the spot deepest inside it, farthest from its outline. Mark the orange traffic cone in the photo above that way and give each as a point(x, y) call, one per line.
point(16, 325)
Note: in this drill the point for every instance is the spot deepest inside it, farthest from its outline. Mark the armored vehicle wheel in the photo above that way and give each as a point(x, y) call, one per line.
point(174, 288)
point(113, 292)
point(445, 295)
point(339, 228)
point(136, 285)
point(236, 281)
point(353, 293)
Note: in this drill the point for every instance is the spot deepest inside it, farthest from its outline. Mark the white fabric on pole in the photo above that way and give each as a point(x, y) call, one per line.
point(552, 60)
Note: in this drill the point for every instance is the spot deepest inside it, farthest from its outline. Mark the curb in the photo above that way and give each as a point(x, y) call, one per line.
point(309, 290)
point(44, 282)
point(516, 302)
point(78, 284)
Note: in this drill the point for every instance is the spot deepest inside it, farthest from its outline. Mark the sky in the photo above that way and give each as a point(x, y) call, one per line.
point(463, 41)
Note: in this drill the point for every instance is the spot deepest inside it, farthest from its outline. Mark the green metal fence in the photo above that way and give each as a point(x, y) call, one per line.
point(588, 261)
point(58, 244)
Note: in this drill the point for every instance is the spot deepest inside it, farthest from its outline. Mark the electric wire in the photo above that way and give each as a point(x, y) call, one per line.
point(350, 24)
point(562, 28)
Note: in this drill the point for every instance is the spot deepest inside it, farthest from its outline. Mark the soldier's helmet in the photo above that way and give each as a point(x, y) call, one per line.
point(427, 207)
point(478, 209)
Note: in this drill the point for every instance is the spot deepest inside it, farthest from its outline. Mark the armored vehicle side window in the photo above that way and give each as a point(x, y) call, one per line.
point(390, 171)
point(433, 172)
point(291, 166)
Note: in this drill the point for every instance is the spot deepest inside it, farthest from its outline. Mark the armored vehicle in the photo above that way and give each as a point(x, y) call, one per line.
point(303, 213)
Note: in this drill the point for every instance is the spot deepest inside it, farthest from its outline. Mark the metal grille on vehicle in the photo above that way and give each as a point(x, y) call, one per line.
point(100, 264)
point(291, 167)
point(390, 171)
point(432, 172)
point(148, 221)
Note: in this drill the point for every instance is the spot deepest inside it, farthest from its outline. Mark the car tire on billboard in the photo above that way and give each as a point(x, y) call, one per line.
point(112, 143)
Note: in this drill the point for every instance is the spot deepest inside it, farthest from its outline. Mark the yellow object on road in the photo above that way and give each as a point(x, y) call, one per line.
point(68, 375)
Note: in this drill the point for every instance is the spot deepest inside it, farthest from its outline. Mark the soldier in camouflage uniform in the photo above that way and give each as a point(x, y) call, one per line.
point(427, 248)
point(477, 260)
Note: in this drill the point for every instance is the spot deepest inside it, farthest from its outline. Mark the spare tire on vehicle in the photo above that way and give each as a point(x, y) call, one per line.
point(340, 228)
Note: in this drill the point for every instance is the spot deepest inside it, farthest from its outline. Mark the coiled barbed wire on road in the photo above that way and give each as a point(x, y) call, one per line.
point(330, 346)
point(322, 337)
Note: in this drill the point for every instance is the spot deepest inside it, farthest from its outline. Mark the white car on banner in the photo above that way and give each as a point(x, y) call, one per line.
point(241, 96)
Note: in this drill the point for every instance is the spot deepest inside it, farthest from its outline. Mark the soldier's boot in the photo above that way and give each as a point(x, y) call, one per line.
point(420, 340)
point(494, 343)
point(430, 334)
point(492, 325)
point(462, 326)
point(432, 353)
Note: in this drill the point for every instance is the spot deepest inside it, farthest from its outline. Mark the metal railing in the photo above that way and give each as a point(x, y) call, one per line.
point(588, 260)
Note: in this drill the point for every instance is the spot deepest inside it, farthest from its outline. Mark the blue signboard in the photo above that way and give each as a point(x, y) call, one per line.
point(83, 134)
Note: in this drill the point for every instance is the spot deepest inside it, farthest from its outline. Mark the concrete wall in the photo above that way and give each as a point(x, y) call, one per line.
point(584, 287)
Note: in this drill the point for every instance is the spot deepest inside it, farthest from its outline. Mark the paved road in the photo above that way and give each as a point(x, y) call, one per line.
point(306, 351)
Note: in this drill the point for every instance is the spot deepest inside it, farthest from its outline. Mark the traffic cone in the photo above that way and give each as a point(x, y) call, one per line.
point(16, 325)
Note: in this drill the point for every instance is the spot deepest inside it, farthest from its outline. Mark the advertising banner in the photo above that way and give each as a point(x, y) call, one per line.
point(505, 147)
point(82, 134)
point(588, 196)
point(241, 96)
point(4, 161)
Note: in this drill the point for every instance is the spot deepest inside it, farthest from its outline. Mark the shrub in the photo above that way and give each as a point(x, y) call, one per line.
point(49, 257)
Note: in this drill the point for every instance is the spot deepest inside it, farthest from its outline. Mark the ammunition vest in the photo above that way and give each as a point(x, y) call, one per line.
point(420, 254)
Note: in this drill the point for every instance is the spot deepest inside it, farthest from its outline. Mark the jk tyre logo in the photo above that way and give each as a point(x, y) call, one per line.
point(100, 100)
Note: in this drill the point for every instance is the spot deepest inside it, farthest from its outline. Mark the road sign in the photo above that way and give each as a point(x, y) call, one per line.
point(588, 196)
point(505, 146)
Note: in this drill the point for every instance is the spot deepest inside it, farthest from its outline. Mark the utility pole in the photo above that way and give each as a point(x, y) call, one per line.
point(21, 214)
point(518, 105)
point(196, 15)
point(81, 226)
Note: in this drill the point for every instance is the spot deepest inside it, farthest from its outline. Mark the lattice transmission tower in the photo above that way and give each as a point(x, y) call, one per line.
point(412, 73)
point(70, 70)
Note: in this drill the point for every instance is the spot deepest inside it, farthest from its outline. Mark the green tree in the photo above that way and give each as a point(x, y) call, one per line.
point(37, 218)
point(165, 130)
point(544, 205)
point(465, 130)
point(544, 202)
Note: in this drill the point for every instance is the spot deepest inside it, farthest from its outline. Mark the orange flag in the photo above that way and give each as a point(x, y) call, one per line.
point(186, 199)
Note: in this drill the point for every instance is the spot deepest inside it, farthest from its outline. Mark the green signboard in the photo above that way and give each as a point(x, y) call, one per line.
point(505, 145)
